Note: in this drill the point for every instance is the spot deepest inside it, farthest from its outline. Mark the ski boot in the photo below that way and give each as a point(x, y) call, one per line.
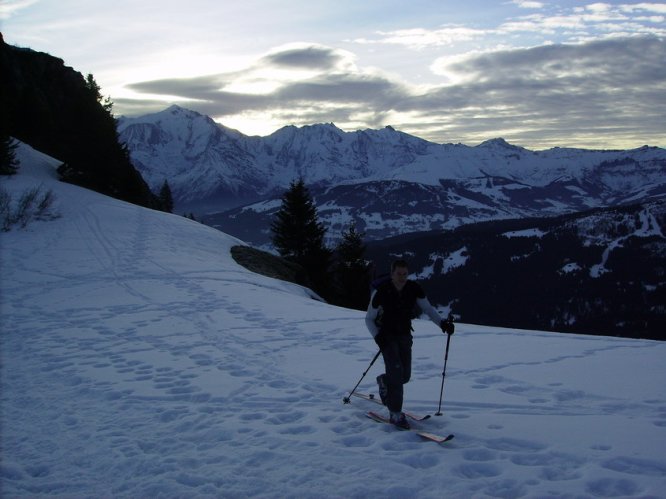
point(398, 419)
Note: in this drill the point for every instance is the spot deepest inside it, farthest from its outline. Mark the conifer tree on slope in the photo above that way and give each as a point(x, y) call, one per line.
point(8, 161)
point(299, 236)
point(351, 270)
point(166, 198)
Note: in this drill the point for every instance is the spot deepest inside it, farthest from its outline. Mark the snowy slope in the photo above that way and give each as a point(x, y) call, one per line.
point(139, 360)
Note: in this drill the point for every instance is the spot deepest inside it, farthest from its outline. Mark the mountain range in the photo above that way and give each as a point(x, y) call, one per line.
point(385, 181)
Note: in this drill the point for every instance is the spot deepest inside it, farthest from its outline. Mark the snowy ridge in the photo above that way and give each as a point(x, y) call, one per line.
point(139, 360)
point(213, 168)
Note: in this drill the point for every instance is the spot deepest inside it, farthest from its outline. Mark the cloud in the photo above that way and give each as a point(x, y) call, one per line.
point(527, 4)
point(10, 7)
point(612, 59)
point(307, 56)
point(351, 88)
point(591, 21)
point(308, 74)
point(613, 88)
point(657, 8)
point(615, 84)
point(419, 38)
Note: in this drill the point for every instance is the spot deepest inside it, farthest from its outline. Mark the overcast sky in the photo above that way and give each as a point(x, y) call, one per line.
point(539, 74)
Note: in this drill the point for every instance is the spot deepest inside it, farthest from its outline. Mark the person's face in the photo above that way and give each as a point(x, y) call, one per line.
point(399, 276)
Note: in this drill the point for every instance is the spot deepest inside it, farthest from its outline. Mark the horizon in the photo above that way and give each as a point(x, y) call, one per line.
point(575, 74)
point(305, 125)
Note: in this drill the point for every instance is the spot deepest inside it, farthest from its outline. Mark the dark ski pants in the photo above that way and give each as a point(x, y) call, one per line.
point(397, 353)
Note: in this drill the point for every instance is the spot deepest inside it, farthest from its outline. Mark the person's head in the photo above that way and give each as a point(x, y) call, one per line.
point(399, 273)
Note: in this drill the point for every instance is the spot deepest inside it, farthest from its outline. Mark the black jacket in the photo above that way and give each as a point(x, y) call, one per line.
point(397, 308)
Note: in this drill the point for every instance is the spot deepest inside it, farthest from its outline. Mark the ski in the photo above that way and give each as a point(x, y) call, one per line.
point(424, 434)
point(372, 398)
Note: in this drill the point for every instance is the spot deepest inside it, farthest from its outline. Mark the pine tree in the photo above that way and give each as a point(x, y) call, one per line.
point(165, 198)
point(299, 236)
point(351, 271)
point(8, 161)
point(95, 89)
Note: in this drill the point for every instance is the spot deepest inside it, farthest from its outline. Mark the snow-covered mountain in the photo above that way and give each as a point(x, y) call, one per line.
point(387, 181)
point(209, 164)
point(139, 360)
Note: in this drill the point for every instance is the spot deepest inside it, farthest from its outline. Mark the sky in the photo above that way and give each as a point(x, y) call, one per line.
point(539, 74)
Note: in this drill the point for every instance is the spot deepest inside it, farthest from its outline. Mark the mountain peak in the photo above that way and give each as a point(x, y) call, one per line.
point(176, 110)
point(500, 143)
point(173, 111)
point(327, 127)
point(496, 142)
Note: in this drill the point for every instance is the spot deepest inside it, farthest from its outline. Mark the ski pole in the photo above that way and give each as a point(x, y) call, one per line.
point(446, 358)
point(347, 400)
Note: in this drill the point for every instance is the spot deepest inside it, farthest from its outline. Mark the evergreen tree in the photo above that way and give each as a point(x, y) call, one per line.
point(299, 236)
point(95, 89)
point(351, 271)
point(8, 161)
point(165, 198)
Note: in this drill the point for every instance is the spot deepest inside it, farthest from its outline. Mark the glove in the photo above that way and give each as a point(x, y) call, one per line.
point(447, 326)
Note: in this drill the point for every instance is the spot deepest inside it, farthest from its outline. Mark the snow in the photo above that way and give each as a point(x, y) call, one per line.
point(570, 267)
point(450, 261)
point(533, 232)
point(263, 206)
point(456, 259)
point(649, 225)
point(138, 360)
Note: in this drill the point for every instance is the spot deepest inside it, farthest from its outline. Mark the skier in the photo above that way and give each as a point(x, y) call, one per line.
point(389, 320)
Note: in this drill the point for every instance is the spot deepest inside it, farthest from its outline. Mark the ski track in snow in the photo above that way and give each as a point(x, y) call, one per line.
point(139, 360)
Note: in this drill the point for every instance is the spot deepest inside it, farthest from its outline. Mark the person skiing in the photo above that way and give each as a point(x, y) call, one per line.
point(389, 320)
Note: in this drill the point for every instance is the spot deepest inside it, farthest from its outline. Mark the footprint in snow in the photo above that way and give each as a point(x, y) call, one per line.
point(298, 430)
point(514, 445)
point(356, 441)
point(474, 471)
point(612, 487)
point(286, 418)
point(479, 455)
point(556, 466)
point(636, 466)
point(422, 461)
